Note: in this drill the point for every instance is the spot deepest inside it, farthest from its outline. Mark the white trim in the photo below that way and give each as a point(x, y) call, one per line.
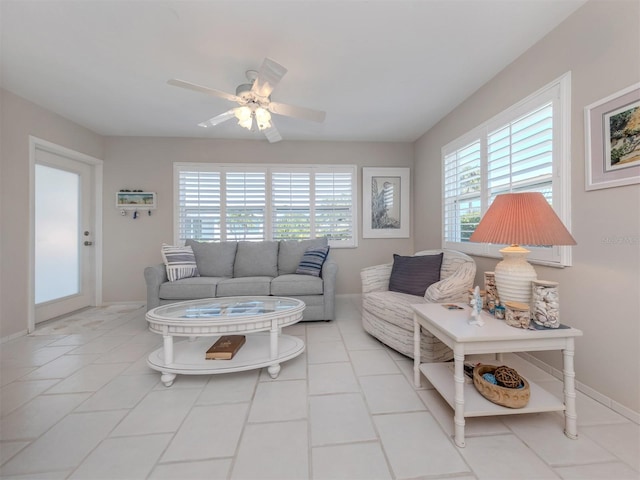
point(97, 167)
point(585, 389)
point(140, 303)
point(13, 336)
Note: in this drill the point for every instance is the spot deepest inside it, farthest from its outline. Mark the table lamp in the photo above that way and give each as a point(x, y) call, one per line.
point(519, 219)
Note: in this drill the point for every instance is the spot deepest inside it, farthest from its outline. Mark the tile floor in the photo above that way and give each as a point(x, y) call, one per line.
point(86, 406)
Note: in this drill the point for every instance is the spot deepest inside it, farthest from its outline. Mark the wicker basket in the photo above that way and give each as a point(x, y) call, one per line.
point(507, 397)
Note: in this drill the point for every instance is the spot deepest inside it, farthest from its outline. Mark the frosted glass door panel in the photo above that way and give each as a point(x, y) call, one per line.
point(57, 232)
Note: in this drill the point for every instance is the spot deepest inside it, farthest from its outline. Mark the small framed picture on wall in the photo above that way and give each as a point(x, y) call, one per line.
point(612, 134)
point(385, 202)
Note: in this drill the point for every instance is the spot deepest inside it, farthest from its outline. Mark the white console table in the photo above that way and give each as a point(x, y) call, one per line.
point(495, 336)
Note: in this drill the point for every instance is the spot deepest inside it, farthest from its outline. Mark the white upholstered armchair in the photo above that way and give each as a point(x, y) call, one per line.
point(388, 315)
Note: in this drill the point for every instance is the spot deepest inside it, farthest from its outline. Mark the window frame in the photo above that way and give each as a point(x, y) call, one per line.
point(269, 209)
point(558, 92)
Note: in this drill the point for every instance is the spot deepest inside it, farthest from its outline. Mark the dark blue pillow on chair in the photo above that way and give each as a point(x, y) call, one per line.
point(413, 275)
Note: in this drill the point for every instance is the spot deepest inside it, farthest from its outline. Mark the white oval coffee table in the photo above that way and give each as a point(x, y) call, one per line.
point(260, 318)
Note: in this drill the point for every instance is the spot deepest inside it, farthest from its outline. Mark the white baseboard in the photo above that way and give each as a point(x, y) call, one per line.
point(13, 336)
point(587, 390)
point(130, 302)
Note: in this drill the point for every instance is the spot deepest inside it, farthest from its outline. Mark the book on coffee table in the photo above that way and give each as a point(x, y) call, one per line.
point(225, 347)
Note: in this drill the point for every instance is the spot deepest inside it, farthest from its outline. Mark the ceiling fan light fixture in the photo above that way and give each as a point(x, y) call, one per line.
point(246, 123)
point(244, 116)
point(263, 118)
point(254, 101)
point(242, 113)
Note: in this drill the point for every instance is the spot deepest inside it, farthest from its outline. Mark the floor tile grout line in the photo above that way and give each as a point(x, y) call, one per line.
point(371, 418)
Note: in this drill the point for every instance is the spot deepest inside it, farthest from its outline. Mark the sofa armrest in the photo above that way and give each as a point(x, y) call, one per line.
point(376, 278)
point(329, 274)
point(155, 276)
point(453, 288)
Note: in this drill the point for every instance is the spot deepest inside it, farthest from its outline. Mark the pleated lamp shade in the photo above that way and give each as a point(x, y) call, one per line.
point(519, 219)
point(522, 219)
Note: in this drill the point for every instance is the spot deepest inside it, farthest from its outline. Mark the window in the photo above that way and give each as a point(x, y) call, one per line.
point(523, 149)
point(217, 202)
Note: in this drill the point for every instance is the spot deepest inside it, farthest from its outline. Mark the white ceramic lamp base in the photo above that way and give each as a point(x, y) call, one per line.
point(514, 275)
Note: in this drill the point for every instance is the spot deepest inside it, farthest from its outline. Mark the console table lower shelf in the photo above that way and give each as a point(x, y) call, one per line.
point(475, 405)
point(189, 356)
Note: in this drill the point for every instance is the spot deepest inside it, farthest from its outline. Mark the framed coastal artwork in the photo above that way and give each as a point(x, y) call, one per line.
point(385, 202)
point(133, 200)
point(612, 134)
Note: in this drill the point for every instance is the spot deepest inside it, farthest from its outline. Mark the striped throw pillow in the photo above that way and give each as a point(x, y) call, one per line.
point(312, 261)
point(180, 262)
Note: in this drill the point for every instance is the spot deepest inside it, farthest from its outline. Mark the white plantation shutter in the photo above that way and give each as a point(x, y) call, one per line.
point(334, 207)
point(217, 202)
point(291, 205)
point(523, 149)
point(198, 205)
point(462, 173)
point(245, 195)
point(520, 155)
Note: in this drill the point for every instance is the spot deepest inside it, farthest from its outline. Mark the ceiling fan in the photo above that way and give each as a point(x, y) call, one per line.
point(254, 100)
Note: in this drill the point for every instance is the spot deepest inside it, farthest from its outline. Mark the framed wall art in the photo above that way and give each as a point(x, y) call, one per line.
point(133, 200)
point(612, 135)
point(385, 202)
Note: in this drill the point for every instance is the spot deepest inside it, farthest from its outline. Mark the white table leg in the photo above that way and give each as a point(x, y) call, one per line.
point(274, 369)
point(416, 351)
point(458, 378)
point(570, 414)
point(167, 378)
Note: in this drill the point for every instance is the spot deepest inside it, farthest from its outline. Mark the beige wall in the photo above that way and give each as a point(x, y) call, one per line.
point(147, 163)
point(600, 293)
point(19, 119)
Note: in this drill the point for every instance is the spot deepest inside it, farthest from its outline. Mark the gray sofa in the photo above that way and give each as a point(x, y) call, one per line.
point(230, 269)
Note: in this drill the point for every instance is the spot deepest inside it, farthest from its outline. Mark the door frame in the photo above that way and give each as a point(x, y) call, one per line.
point(96, 184)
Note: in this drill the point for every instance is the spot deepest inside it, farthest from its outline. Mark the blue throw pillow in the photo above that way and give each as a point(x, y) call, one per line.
point(312, 261)
point(413, 275)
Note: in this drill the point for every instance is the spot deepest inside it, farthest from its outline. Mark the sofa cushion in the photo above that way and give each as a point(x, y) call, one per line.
point(214, 259)
point(312, 261)
point(292, 284)
point(290, 253)
point(256, 259)
point(179, 262)
point(189, 288)
point(413, 275)
point(231, 287)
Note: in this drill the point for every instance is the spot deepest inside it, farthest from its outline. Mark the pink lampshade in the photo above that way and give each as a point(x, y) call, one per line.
point(523, 219)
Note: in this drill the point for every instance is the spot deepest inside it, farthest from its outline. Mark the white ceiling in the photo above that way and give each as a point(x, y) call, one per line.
point(382, 70)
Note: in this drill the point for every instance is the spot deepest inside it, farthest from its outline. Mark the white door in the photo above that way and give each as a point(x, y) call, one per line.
point(64, 253)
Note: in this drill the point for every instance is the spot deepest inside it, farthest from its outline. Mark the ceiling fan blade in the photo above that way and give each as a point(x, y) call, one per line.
point(272, 134)
point(199, 88)
point(297, 112)
point(269, 75)
point(218, 119)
